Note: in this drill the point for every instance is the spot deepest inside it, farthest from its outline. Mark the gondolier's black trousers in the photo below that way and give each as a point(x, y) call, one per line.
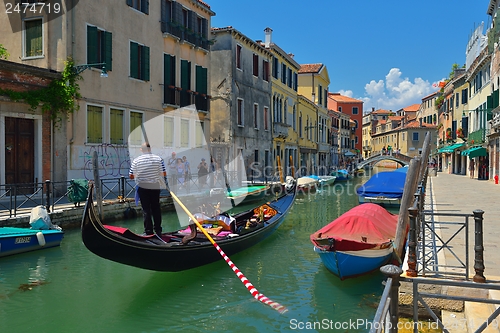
point(151, 211)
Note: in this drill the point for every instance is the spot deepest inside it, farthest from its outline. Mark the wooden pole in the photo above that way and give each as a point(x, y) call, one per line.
point(406, 202)
point(292, 166)
point(279, 169)
point(425, 156)
point(97, 184)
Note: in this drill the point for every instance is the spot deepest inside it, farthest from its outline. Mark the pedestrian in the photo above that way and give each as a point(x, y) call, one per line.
point(202, 173)
point(180, 172)
point(383, 150)
point(148, 171)
point(212, 172)
point(172, 168)
point(187, 169)
point(471, 168)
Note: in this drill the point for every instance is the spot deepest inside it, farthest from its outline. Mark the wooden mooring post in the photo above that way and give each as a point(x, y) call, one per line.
point(97, 184)
point(406, 202)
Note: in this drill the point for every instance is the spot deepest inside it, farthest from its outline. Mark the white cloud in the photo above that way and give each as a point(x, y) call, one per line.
point(395, 92)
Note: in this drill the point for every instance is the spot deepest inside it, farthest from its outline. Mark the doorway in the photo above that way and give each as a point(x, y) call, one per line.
point(19, 151)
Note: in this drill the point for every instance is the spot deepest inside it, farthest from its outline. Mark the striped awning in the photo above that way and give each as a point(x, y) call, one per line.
point(475, 152)
point(451, 148)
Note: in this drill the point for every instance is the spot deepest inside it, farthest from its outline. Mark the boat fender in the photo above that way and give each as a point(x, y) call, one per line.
point(232, 235)
point(41, 238)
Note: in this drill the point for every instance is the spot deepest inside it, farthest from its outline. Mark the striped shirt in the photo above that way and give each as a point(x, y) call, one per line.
point(148, 171)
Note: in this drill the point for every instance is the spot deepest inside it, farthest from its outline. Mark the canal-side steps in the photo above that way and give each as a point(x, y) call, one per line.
point(474, 314)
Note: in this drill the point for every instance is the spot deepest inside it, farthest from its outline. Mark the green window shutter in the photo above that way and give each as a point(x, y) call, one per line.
point(135, 124)
point(168, 132)
point(33, 38)
point(167, 65)
point(184, 133)
point(145, 6)
point(116, 126)
point(134, 58)
point(91, 45)
point(108, 51)
point(185, 74)
point(94, 124)
point(145, 63)
point(198, 75)
point(204, 81)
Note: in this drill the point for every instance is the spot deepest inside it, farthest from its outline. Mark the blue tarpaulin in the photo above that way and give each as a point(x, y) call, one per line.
point(387, 184)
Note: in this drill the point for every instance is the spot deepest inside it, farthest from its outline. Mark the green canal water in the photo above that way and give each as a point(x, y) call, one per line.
point(69, 289)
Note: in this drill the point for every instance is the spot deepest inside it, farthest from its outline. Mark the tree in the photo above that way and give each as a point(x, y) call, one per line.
point(3, 52)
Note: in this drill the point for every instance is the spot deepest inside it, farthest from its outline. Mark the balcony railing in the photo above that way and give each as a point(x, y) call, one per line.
point(477, 137)
point(280, 130)
point(323, 147)
point(181, 97)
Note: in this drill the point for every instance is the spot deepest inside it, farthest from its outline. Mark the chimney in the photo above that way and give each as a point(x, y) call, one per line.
point(373, 108)
point(269, 33)
point(420, 119)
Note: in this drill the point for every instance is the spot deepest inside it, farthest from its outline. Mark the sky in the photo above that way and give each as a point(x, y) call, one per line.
point(387, 53)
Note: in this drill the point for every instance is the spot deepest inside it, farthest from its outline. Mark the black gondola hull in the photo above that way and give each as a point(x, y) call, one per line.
point(175, 256)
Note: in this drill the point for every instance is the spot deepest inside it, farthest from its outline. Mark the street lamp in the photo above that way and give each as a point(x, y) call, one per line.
point(80, 68)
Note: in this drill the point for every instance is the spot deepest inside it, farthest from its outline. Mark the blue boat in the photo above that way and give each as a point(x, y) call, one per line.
point(19, 240)
point(358, 242)
point(384, 188)
point(340, 175)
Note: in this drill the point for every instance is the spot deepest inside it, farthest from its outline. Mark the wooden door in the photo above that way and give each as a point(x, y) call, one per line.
point(19, 150)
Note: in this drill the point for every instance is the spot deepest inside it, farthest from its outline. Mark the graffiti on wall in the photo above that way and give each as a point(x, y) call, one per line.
point(113, 160)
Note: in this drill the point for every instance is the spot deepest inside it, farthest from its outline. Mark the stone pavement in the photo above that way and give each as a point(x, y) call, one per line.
point(459, 194)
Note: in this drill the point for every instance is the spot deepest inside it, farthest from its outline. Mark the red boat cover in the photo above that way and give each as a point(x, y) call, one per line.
point(365, 226)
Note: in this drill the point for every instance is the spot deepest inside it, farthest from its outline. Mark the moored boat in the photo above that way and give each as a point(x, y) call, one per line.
point(384, 188)
point(357, 242)
point(341, 175)
point(188, 248)
point(19, 240)
point(307, 184)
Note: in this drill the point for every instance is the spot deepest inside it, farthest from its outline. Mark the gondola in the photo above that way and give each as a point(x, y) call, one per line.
point(188, 248)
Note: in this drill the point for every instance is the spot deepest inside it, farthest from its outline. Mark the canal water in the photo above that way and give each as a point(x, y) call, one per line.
point(69, 289)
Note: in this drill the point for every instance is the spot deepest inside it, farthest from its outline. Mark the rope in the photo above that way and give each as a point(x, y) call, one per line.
point(255, 293)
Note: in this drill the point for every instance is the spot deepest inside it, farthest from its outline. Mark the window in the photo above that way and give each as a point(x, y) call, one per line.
point(265, 70)
point(283, 73)
point(139, 61)
point(238, 56)
point(169, 79)
point(116, 126)
point(295, 81)
point(168, 132)
point(140, 5)
point(320, 95)
point(415, 136)
point(199, 134)
point(185, 83)
point(300, 124)
point(340, 109)
point(33, 38)
point(240, 112)
point(135, 137)
point(99, 47)
point(289, 77)
point(266, 118)
point(275, 67)
point(355, 110)
point(184, 133)
point(94, 124)
point(255, 65)
point(256, 116)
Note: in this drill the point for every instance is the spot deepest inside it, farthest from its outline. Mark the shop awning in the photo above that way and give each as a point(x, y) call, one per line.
point(451, 148)
point(475, 152)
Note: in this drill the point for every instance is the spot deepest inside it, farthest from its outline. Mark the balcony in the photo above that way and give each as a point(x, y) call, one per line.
point(280, 130)
point(176, 96)
point(477, 137)
point(323, 147)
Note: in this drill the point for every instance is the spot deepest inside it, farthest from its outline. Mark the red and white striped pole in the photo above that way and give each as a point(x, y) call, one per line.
point(255, 293)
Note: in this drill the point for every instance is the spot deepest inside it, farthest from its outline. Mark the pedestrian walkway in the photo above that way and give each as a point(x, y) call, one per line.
point(459, 194)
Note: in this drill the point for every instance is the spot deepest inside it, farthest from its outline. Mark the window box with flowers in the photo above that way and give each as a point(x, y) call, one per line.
point(460, 133)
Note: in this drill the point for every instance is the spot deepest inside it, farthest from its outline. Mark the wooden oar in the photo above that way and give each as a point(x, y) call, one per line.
point(255, 293)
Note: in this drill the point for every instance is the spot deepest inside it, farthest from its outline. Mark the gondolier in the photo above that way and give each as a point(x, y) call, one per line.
point(148, 171)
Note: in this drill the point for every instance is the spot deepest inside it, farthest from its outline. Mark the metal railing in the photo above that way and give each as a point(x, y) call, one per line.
point(17, 199)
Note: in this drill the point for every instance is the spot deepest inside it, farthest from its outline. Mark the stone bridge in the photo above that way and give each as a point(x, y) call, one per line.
point(396, 157)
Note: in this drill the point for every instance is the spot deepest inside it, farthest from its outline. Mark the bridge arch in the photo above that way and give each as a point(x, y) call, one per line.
point(396, 157)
